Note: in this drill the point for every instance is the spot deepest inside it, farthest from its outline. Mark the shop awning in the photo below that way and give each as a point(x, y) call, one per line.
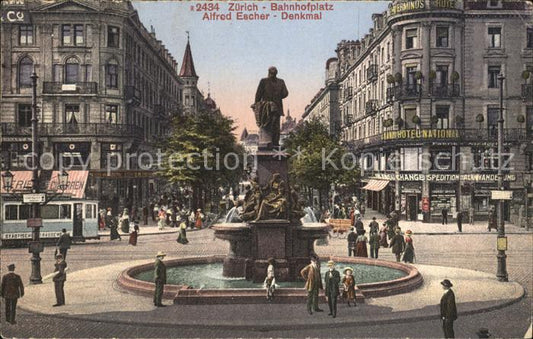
point(76, 183)
point(21, 182)
point(376, 185)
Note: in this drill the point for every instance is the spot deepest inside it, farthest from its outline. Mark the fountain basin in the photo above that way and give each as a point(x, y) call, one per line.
point(183, 293)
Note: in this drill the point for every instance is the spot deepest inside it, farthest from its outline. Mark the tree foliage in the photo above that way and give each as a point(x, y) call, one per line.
point(318, 158)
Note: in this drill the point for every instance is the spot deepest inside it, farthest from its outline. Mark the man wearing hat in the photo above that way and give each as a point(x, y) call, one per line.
point(12, 289)
point(64, 242)
point(160, 278)
point(59, 280)
point(397, 245)
point(332, 279)
point(313, 282)
point(352, 237)
point(448, 310)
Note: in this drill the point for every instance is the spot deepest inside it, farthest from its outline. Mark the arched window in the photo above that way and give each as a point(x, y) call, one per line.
point(71, 71)
point(25, 70)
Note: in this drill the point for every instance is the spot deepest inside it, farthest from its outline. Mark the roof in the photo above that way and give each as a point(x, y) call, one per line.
point(187, 66)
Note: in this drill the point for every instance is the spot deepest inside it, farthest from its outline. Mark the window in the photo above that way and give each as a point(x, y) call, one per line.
point(442, 75)
point(72, 114)
point(66, 34)
point(111, 114)
point(410, 38)
point(495, 35)
point(442, 158)
point(492, 120)
point(494, 4)
point(25, 70)
point(411, 76)
point(529, 121)
point(111, 75)
point(443, 116)
point(442, 36)
point(24, 115)
point(113, 34)
point(409, 115)
point(78, 35)
point(529, 37)
point(71, 71)
point(25, 35)
point(11, 212)
point(49, 212)
point(494, 71)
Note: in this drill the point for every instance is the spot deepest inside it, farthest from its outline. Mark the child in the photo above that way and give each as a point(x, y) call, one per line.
point(270, 281)
point(348, 284)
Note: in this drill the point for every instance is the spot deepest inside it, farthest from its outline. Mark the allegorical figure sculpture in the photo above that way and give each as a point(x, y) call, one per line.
point(268, 107)
point(274, 205)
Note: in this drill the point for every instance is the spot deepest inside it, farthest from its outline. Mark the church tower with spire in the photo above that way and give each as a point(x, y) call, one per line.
point(191, 96)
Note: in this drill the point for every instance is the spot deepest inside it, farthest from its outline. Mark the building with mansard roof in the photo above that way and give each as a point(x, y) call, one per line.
point(422, 87)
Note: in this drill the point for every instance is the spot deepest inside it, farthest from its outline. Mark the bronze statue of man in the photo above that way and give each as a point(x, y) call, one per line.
point(268, 107)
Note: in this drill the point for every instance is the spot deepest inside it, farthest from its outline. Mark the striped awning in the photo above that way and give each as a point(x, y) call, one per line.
point(76, 183)
point(21, 182)
point(376, 185)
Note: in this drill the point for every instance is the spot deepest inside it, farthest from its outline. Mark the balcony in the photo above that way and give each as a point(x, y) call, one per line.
point(372, 73)
point(60, 129)
point(77, 88)
point(132, 95)
point(348, 93)
point(406, 91)
point(510, 135)
point(371, 106)
point(527, 92)
point(445, 90)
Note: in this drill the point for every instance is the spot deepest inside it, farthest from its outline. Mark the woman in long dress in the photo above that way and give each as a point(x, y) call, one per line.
point(125, 221)
point(270, 281)
point(348, 286)
point(383, 236)
point(133, 235)
point(162, 219)
point(111, 222)
point(182, 235)
point(360, 245)
point(198, 219)
point(409, 253)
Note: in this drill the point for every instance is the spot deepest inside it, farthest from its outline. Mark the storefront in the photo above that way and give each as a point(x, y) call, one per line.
point(411, 200)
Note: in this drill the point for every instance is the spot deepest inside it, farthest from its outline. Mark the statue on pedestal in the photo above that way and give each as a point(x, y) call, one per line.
point(268, 108)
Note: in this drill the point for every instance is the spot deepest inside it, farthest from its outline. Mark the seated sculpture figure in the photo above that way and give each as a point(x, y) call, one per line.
point(274, 205)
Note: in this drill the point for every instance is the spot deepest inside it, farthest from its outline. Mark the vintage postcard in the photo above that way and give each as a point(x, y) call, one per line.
point(266, 169)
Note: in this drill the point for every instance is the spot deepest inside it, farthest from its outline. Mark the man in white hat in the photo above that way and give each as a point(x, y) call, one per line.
point(160, 278)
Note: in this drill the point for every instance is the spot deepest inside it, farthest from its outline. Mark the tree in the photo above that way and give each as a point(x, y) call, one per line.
point(202, 152)
point(319, 159)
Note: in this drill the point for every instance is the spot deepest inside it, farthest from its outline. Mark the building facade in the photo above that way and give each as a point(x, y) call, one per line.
point(107, 89)
point(419, 104)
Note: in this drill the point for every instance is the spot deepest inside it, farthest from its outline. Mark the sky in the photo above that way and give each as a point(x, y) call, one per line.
point(231, 57)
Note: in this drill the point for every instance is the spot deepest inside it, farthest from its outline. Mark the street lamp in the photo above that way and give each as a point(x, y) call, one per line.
point(502, 240)
point(7, 180)
point(62, 180)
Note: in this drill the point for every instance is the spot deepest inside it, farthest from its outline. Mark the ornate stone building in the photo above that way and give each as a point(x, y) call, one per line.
point(107, 89)
point(420, 91)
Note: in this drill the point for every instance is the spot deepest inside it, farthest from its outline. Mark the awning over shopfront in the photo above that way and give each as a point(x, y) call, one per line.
point(21, 182)
point(76, 183)
point(376, 185)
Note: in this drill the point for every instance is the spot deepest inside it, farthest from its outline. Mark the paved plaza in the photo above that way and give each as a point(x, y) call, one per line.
point(97, 307)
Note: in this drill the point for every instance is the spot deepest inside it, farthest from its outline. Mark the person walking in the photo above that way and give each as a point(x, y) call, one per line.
point(383, 236)
point(125, 222)
point(59, 280)
point(360, 245)
point(160, 278)
point(145, 214)
point(182, 235)
point(133, 235)
point(374, 226)
point(460, 221)
point(198, 217)
point(493, 220)
point(332, 279)
point(471, 213)
point(348, 286)
point(270, 280)
point(359, 227)
point(409, 253)
point(162, 219)
point(374, 244)
point(112, 224)
point(313, 283)
point(11, 290)
point(397, 244)
point(352, 237)
point(155, 212)
point(445, 215)
point(448, 309)
point(64, 242)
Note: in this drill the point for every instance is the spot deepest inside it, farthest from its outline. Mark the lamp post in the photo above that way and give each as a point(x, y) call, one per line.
point(501, 241)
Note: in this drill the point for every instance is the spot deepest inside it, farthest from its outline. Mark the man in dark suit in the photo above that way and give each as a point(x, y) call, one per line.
point(64, 242)
point(12, 289)
point(445, 215)
point(352, 237)
point(313, 283)
point(460, 221)
point(268, 99)
point(160, 278)
point(332, 279)
point(448, 310)
point(59, 280)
